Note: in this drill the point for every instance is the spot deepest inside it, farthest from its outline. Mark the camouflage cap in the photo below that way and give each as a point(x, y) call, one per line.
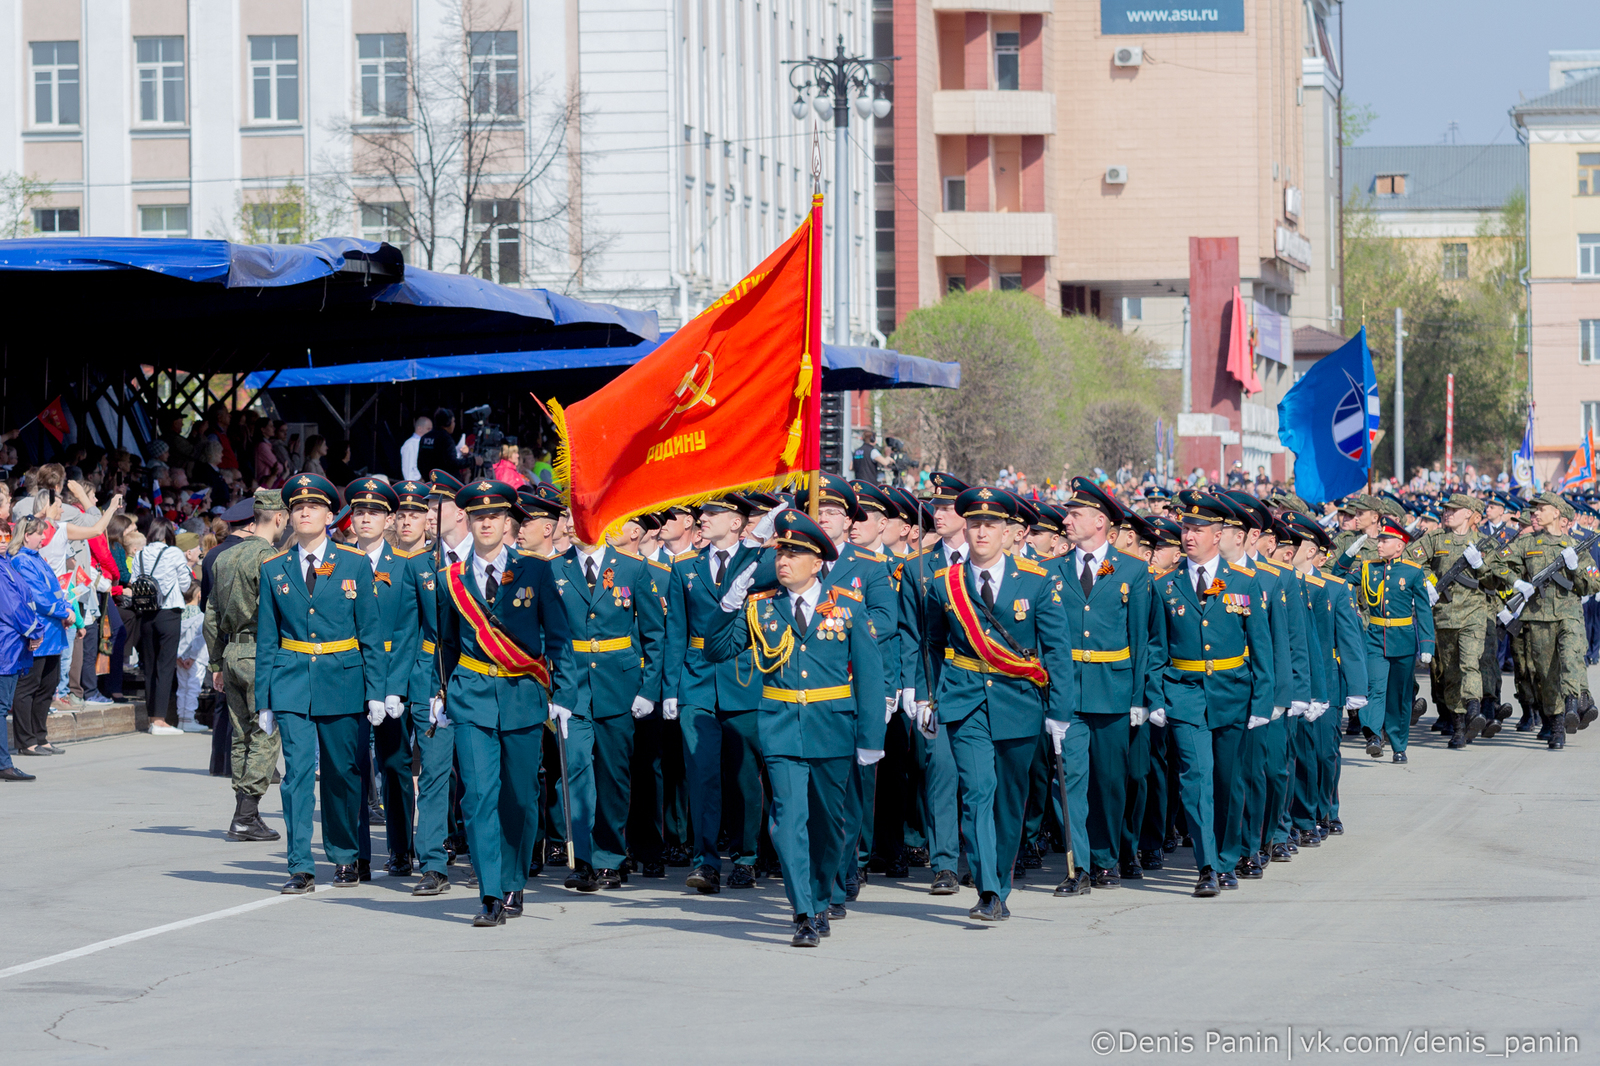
point(1555, 500)
point(269, 500)
point(1358, 503)
point(1392, 507)
point(1288, 501)
point(1461, 499)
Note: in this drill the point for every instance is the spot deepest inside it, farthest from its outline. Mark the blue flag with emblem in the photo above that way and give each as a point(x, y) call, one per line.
point(1522, 462)
point(1329, 419)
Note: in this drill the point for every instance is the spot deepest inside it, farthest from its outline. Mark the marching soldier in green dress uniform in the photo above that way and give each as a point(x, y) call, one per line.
point(506, 649)
point(1392, 591)
point(998, 636)
point(320, 665)
point(617, 622)
point(821, 703)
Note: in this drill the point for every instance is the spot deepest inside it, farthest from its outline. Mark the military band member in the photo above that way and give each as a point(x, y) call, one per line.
point(998, 634)
point(821, 703)
point(506, 649)
point(320, 665)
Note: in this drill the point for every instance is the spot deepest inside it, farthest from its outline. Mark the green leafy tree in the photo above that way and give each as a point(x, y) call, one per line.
point(19, 195)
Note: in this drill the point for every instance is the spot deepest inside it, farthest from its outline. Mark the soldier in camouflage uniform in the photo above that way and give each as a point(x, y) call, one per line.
point(1545, 616)
point(1458, 624)
point(230, 634)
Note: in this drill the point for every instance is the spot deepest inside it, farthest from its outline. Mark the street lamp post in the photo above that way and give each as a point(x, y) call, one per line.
point(830, 83)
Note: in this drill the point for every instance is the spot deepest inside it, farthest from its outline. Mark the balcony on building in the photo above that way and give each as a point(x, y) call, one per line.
point(994, 233)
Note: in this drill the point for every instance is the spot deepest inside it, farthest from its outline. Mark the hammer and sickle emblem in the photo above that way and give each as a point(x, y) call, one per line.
point(695, 388)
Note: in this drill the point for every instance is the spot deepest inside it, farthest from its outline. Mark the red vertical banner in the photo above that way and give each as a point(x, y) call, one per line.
point(811, 420)
point(1449, 422)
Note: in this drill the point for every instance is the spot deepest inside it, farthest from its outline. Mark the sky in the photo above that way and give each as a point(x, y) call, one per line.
point(1423, 64)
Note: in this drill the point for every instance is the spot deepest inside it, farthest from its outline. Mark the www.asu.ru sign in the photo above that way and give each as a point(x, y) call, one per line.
point(1151, 16)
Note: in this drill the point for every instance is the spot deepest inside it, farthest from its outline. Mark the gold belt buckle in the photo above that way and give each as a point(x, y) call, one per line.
point(316, 649)
point(1210, 665)
point(802, 696)
point(594, 644)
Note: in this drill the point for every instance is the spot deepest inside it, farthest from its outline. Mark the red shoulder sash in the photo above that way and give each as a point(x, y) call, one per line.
point(505, 652)
point(991, 651)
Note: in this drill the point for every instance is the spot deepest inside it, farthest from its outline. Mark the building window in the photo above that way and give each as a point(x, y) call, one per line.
point(171, 221)
point(1589, 255)
point(276, 223)
point(382, 58)
point(1010, 282)
point(55, 83)
point(1006, 47)
point(494, 72)
point(1132, 308)
point(955, 194)
point(955, 283)
point(158, 67)
point(499, 254)
point(1454, 267)
point(389, 223)
point(1589, 340)
point(1589, 173)
point(275, 79)
point(1390, 185)
point(1591, 419)
point(56, 221)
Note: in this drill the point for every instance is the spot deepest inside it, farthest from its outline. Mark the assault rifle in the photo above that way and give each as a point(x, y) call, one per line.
point(1555, 571)
point(1458, 572)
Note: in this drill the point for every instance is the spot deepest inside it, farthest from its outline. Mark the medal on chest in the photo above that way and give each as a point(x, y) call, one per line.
point(1019, 609)
point(348, 585)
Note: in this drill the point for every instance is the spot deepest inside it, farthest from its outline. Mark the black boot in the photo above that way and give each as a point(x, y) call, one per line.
point(1542, 720)
point(1419, 707)
point(1587, 711)
point(1491, 718)
point(247, 823)
point(1475, 721)
point(1558, 728)
point(1528, 720)
point(1459, 737)
point(1570, 715)
point(1445, 723)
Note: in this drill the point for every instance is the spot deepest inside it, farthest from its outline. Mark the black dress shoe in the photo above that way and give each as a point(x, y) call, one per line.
point(583, 878)
point(837, 910)
point(399, 866)
point(824, 926)
point(897, 869)
point(677, 856)
point(34, 751)
point(705, 879)
point(1248, 870)
point(966, 878)
point(742, 877)
point(1322, 831)
point(513, 904)
point(493, 913)
point(11, 773)
point(852, 883)
point(1335, 827)
point(1032, 856)
point(432, 884)
point(1280, 853)
point(555, 854)
point(346, 876)
point(916, 856)
point(1169, 845)
point(987, 909)
point(1130, 871)
point(1228, 879)
point(944, 884)
point(610, 878)
point(535, 867)
point(653, 869)
point(1019, 872)
point(1398, 756)
point(805, 932)
point(1207, 885)
point(1152, 860)
point(1309, 839)
point(364, 869)
point(1005, 912)
point(298, 884)
point(1076, 885)
point(1104, 879)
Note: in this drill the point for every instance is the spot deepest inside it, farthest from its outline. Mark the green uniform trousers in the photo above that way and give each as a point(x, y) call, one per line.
point(255, 754)
point(1154, 791)
point(1194, 750)
point(1391, 686)
point(722, 770)
point(1107, 793)
point(994, 793)
point(392, 741)
point(343, 791)
point(1552, 648)
point(938, 798)
point(1138, 791)
point(1267, 781)
point(860, 795)
point(808, 797)
point(599, 763)
point(1456, 664)
point(499, 779)
point(432, 789)
point(1229, 765)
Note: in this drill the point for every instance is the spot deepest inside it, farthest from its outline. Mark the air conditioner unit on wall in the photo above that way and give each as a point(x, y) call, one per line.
point(1116, 174)
point(1128, 56)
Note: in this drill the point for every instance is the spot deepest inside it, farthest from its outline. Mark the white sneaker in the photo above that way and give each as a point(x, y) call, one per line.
point(162, 729)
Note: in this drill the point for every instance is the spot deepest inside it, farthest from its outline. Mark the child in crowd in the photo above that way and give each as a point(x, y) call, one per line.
point(194, 662)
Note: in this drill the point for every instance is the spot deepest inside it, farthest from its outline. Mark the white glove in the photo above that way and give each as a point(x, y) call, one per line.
point(733, 599)
point(1138, 716)
point(1355, 546)
point(374, 711)
point(1318, 709)
point(925, 723)
point(642, 707)
point(1473, 556)
point(1523, 587)
point(1255, 722)
point(1057, 731)
point(890, 705)
point(436, 715)
point(769, 522)
point(393, 706)
point(267, 721)
point(1433, 593)
point(1354, 703)
point(1158, 716)
point(1277, 712)
point(1298, 708)
point(868, 756)
point(908, 702)
point(560, 714)
point(1570, 557)
point(1425, 658)
point(669, 708)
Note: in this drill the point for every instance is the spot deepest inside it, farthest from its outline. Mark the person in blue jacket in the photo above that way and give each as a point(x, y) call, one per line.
point(21, 631)
point(37, 687)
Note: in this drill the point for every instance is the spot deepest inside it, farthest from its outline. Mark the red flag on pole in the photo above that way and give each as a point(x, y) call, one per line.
point(54, 420)
point(1241, 354)
point(729, 402)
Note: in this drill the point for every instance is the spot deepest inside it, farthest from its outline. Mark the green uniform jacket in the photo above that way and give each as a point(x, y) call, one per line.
point(1291, 657)
point(232, 610)
point(1017, 707)
point(1115, 618)
point(530, 612)
point(625, 604)
point(838, 652)
point(917, 571)
point(397, 617)
point(418, 586)
point(692, 611)
point(1343, 636)
point(1219, 628)
point(872, 575)
point(343, 607)
point(1395, 590)
point(1532, 552)
point(1438, 551)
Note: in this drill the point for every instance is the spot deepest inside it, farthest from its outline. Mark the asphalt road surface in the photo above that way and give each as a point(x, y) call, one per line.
point(1458, 907)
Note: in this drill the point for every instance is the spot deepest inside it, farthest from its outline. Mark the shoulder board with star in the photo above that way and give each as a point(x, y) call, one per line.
point(877, 557)
point(1335, 578)
point(352, 549)
point(1245, 570)
point(1155, 576)
point(847, 593)
point(629, 554)
point(1409, 562)
point(659, 565)
point(765, 594)
point(401, 553)
point(270, 558)
point(686, 555)
point(527, 553)
point(1313, 579)
point(1028, 566)
point(943, 570)
point(1262, 564)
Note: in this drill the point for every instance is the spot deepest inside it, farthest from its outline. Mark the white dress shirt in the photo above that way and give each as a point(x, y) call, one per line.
point(597, 557)
point(953, 556)
point(995, 572)
point(1098, 556)
point(375, 554)
point(1209, 569)
point(408, 458)
point(480, 566)
point(809, 597)
point(460, 552)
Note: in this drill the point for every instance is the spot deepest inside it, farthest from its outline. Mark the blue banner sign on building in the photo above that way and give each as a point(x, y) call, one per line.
point(1153, 16)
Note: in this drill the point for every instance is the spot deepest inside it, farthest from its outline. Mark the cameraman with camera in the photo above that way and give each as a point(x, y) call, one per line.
point(868, 463)
point(438, 449)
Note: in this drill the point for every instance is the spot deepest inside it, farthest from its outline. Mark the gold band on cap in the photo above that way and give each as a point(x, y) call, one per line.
point(789, 539)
